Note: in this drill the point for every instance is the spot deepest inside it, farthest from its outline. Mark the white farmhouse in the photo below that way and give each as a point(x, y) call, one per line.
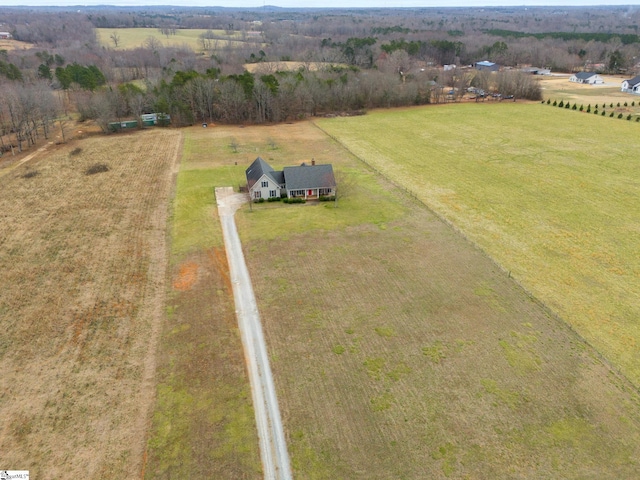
point(589, 78)
point(304, 181)
point(632, 85)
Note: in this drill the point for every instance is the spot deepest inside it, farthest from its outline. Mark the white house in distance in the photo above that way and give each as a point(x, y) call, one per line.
point(487, 65)
point(589, 78)
point(303, 181)
point(632, 85)
point(5, 35)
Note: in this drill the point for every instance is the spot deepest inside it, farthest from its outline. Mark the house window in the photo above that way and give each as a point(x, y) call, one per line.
point(265, 184)
point(258, 194)
point(296, 193)
point(272, 193)
point(324, 191)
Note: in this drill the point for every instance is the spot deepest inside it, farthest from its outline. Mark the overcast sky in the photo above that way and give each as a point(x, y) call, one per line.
point(323, 3)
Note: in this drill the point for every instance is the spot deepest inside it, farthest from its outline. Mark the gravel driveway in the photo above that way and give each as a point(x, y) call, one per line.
point(273, 447)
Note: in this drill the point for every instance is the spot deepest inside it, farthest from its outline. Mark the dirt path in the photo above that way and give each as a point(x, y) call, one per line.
point(25, 159)
point(273, 447)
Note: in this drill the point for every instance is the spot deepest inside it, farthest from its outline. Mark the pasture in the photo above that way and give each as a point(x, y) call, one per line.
point(83, 259)
point(130, 38)
point(550, 194)
point(401, 351)
point(560, 88)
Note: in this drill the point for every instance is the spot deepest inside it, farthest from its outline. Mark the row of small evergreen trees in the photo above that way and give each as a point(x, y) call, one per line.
point(603, 113)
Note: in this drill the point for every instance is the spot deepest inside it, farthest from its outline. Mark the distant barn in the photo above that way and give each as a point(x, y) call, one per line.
point(486, 65)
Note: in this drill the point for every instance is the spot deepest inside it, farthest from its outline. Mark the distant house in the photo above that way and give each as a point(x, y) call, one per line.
point(4, 35)
point(590, 78)
point(486, 65)
point(303, 181)
point(632, 85)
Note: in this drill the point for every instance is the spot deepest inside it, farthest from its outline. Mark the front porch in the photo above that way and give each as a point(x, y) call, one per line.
point(311, 193)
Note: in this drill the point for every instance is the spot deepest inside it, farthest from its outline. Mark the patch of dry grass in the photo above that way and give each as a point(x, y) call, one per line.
point(83, 261)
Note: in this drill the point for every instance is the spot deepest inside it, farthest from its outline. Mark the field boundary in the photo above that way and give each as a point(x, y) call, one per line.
point(158, 273)
point(548, 310)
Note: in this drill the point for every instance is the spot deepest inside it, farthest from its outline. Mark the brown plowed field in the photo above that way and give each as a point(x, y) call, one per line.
point(83, 260)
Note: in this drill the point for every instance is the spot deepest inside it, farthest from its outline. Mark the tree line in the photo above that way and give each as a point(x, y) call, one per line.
point(349, 60)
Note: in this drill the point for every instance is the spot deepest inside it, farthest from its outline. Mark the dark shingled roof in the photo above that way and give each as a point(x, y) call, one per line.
point(258, 168)
point(584, 75)
point(634, 81)
point(309, 176)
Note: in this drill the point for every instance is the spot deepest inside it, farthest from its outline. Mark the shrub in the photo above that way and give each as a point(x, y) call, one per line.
point(611, 104)
point(325, 198)
point(618, 103)
point(97, 168)
point(637, 119)
point(629, 117)
point(568, 105)
point(619, 115)
point(625, 104)
point(555, 103)
point(589, 109)
point(294, 200)
point(603, 113)
point(75, 151)
point(575, 107)
point(561, 104)
point(633, 104)
point(31, 174)
point(611, 115)
point(595, 111)
point(548, 101)
point(274, 199)
point(581, 108)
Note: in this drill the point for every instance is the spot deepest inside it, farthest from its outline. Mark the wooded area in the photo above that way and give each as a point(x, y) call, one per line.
point(346, 60)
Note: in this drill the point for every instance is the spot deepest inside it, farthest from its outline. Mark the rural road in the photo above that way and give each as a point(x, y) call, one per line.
point(273, 447)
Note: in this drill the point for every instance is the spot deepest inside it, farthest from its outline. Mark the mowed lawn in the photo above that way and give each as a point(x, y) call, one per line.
point(550, 194)
point(401, 351)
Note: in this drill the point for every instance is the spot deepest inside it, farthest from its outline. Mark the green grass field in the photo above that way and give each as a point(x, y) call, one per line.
point(550, 194)
point(400, 351)
point(137, 37)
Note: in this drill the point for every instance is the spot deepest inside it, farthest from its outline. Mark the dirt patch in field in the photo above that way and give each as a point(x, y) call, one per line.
point(186, 277)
